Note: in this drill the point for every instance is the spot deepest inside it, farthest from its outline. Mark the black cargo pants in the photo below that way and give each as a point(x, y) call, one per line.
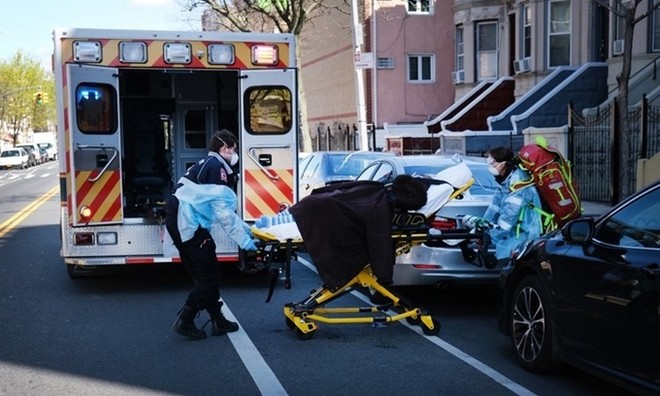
point(198, 258)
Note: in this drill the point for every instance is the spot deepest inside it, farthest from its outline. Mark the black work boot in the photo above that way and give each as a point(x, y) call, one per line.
point(185, 324)
point(219, 324)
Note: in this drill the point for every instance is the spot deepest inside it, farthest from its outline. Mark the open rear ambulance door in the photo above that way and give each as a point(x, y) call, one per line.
point(95, 159)
point(268, 141)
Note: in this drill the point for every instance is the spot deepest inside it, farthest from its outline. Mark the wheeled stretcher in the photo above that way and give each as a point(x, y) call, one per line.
point(279, 244)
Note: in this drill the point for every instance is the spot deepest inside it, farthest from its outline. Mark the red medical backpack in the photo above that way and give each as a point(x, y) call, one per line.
point(552, 177)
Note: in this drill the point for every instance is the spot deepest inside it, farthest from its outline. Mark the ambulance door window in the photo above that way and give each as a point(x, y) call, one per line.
point(268, 110)
point(96, 108)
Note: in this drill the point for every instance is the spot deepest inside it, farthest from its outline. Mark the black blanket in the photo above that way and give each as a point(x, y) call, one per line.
point(345, 227)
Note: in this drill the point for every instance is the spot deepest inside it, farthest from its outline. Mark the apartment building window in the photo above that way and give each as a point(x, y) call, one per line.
point(526, 31)
point(486, 50)
point(460, 57)
point(655, 29)
point(421, 68)
point(559, 33)
point(419, 6)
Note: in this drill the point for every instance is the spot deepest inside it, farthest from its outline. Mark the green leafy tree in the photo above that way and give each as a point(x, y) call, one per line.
point(21, 79)
point(284, 16)
point(631, 14)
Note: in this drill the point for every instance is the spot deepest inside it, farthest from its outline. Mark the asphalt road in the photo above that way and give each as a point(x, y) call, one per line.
point(110, 335)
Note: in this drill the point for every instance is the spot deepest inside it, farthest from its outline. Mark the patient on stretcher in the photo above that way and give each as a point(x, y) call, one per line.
point(347, 226)
point(282, 226)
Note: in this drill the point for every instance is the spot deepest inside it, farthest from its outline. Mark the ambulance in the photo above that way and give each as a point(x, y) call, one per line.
point(136, 109)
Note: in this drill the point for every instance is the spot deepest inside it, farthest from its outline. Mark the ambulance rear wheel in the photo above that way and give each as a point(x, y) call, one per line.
point(431, 332)
point(304, 336)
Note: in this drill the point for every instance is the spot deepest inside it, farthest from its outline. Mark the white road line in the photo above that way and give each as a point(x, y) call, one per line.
point(261, 373)
point(45, 175)
point(493, 374)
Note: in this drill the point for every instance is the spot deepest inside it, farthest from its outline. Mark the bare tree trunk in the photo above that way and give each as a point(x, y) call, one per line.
point(622, 139)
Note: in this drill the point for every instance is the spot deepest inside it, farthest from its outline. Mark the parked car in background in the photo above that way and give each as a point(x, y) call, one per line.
point(43, 155)
point(14, 158)
point(50, 149)
point(33, 151)
point(321, 168)
point(589, 295)
point(440, 263)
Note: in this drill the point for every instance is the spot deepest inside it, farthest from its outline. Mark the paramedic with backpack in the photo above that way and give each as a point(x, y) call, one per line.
point(203, 197)
point(510, 220)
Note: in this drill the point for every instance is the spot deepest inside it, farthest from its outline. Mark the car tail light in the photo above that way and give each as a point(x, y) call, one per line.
point(443, 223)
point(427, 266)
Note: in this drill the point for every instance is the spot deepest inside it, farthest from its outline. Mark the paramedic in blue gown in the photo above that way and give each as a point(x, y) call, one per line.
point(510, 220)
point(203, 197)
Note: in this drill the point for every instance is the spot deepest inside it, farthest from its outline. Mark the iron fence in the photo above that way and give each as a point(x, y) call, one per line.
point(593, 153)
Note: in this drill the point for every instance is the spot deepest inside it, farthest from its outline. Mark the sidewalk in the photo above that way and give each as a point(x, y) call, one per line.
point(592, 208)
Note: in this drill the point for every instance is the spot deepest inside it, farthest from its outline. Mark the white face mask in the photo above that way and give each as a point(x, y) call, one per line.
point(493, 170)
point(234, 159)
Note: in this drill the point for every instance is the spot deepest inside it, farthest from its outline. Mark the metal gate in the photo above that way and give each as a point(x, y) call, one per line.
point(592, 151)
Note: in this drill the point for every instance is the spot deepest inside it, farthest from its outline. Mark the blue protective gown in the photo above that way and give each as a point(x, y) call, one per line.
point(512, 214)
point(201, 205)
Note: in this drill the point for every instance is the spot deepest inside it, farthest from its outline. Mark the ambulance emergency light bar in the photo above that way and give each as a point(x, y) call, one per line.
point(178, 53)
point(265, 55)
point(87, 51)
point(132, 52)
point(175, 53)
point(221, 54)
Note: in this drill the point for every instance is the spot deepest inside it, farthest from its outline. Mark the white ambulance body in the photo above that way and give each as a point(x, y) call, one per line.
point(137, 108)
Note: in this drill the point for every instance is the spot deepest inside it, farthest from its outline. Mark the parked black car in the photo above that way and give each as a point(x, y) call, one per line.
point(589, 295)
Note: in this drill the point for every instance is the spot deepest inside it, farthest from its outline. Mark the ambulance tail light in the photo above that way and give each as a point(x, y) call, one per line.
point(87, 51)
point(83, 238)
point(178, 53)
point(106, 238)
point(85, 213)
point(221, 54)
point(265, 55)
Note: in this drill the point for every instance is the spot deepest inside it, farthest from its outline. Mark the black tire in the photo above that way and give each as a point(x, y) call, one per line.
point(431, 332)
point(289, 323)
point(531, 326)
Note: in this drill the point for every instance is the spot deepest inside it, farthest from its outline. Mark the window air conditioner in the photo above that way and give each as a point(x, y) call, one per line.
point(617, 47)
point(522, 66)
point(458, 77)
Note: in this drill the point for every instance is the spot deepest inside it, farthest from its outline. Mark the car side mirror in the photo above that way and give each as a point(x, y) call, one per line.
point(579, 230)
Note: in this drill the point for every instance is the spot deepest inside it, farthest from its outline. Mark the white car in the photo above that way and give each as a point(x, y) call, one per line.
point(50, 150)
point(14, 158)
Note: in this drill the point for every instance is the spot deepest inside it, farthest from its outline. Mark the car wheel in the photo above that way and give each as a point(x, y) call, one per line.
point(531, 326)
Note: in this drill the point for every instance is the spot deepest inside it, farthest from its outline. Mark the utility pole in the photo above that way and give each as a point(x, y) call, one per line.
point(358, 40)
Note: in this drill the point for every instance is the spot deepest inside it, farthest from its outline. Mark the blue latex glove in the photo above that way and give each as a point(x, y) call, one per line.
point(475, 222)
point(251, 246)
point(247, 229)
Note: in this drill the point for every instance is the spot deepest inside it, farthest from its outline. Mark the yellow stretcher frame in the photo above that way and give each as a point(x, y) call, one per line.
point(303, 316)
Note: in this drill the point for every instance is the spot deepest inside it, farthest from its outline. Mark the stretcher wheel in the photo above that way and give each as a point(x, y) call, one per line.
point(414, 320)
point(289, 323)
point(431, 332)
point(304, 336)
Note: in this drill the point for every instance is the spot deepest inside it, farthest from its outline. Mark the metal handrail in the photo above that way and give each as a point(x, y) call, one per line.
point(114, 155)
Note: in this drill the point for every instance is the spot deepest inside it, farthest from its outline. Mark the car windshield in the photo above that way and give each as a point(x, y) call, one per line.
point(350, 165)
point(484, 182)
point(9, 153)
